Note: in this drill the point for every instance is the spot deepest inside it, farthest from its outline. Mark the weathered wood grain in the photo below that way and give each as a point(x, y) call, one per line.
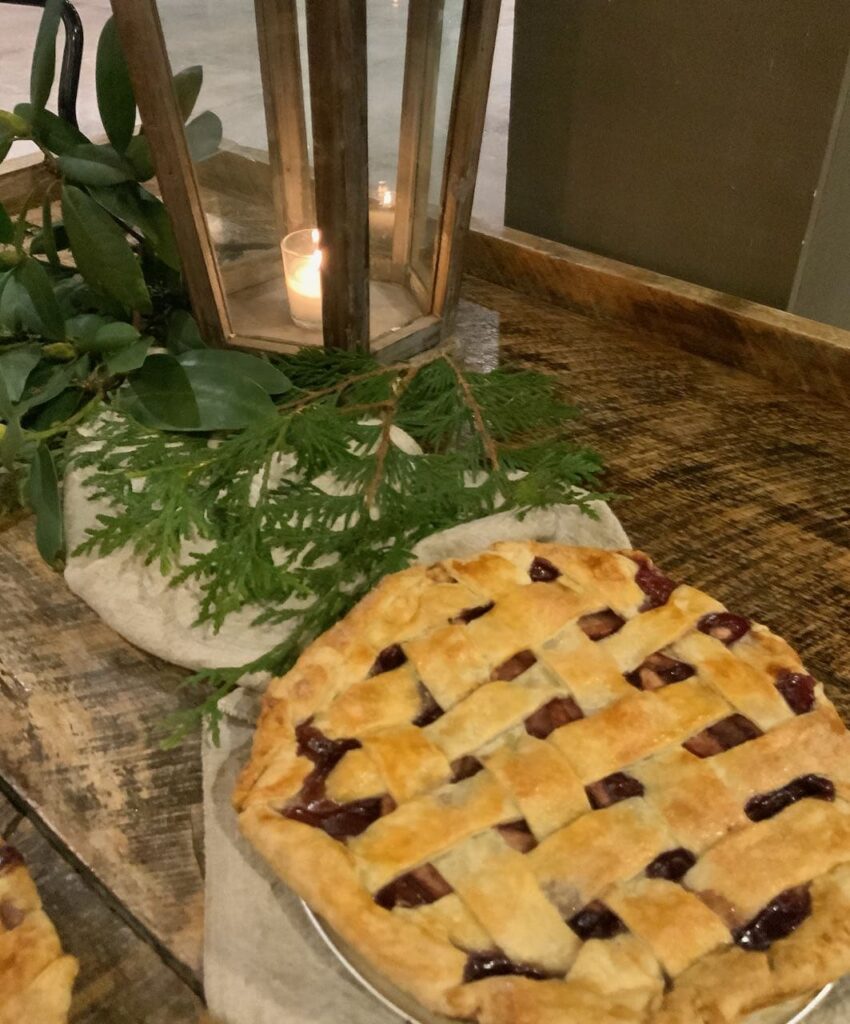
point(733, 484)
point(121, 979)
point(336, 46)
point(788, 350)
point(81, 715)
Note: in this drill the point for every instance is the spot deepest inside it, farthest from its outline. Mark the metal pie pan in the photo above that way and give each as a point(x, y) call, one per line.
point(406, 1007)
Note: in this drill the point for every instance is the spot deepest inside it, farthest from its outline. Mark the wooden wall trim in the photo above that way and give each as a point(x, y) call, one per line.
point(790, 350)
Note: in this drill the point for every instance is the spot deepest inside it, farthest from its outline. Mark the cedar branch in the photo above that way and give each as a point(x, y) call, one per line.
point(475, 409)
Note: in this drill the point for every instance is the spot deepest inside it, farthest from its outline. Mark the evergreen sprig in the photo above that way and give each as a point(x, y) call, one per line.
point(301, 513)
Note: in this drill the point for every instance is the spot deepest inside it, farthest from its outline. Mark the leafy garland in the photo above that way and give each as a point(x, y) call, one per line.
point(89, 271)
point(489, 441)
point(214, 463)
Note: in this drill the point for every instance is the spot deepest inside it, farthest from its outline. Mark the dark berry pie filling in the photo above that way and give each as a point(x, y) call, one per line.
point(554, 713)
point(541, 570)
point(312, 807)
point(389, 658)
point(598, 625)
point(10, 915)
point(430, 710)
point(514, 666)
point(659, 670)
point(596, 921)
point(777, 920)
point(654, 584)
point(727, 733)
point(418, 887)
point(9, 858)
point(470, 614)
point(612, 789)
point(724, 626)
point(672, 865)
point(465, 768)
point(491, 963)
point(518, 835)
point(767, 805)
point(798, 690)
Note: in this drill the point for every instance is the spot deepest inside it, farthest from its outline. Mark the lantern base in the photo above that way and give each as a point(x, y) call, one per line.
point(260, 315)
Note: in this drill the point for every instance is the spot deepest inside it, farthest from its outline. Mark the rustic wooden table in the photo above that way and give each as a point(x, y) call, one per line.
point(733, 483)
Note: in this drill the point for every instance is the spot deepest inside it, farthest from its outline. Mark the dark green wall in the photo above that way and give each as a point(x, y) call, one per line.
point(686, 136)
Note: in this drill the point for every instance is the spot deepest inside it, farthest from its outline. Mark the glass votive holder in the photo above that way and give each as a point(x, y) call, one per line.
point(302, 263)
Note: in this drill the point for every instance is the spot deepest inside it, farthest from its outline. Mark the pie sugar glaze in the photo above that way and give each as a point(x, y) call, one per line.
point(549, 784)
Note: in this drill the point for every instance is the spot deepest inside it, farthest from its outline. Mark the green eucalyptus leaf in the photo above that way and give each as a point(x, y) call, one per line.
point(183, 334)
point(6, 141)
point(33, 278)
point(56, 410)
point(89, 164)
point(45, 502)
point(139, 155)
point(82, 329)
point(138, 208)
point(187, 86)
point(44, 55)
point(101, 251)
point(14, 125)
point(16, 364)
point(7, 230)
point(237, 365)
point(129, 358)
point(46, 234)
point(57, 380)
point(58, 240)
point(168, 396)
point(115, 99)
point(203, 136)
point(113, 337)
point(53, 132)
point(14, 303)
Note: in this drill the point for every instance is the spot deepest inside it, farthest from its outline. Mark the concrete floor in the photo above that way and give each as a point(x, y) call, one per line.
point(220, 35)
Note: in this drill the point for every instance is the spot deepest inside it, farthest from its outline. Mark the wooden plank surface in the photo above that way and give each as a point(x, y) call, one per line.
point(121, 979)
point(732, 484)
point(81, 715)
point(787, 350)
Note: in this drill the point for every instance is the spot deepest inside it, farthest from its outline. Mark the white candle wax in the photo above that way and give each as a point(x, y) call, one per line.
point(304, 284)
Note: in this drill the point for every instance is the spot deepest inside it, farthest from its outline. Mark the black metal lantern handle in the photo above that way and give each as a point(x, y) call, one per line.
point(72, 57)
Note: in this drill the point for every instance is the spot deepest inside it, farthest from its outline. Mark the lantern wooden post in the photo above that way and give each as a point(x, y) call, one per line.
point(286, 127)
point(463, 148)
point(336, 45)
point(140, 32)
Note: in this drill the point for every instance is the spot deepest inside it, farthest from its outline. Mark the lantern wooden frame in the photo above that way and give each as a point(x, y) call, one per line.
point(336, 43)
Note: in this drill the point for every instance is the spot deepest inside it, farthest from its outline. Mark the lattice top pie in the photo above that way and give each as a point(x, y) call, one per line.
point(35, 977)
point(547, 784)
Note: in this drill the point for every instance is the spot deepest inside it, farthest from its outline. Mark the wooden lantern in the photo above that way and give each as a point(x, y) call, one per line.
point(384, 270)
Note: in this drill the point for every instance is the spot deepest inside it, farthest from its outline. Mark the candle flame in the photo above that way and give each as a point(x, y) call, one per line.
point(388, 198)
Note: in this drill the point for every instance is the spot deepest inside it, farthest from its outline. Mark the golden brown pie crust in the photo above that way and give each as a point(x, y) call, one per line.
point(436, 681)
point(35, 977)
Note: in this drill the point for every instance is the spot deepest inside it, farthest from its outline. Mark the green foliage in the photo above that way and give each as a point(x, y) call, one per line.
point(44, 55)
point(45, 502)
point(320, 479)
point(83, 296)
point(115, 99)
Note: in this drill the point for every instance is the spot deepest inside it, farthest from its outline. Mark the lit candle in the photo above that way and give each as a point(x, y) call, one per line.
point(302, 263)
point(385, 196)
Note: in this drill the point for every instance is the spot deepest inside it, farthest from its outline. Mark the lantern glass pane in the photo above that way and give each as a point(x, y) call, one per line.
point(243, 195)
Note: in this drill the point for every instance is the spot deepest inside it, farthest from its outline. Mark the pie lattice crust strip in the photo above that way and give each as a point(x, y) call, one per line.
point(549, 784)
point(36, 978)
